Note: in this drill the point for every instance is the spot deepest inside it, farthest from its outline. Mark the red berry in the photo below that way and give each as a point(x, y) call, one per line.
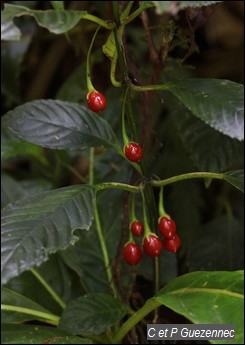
point(96, 101)
point(132, 253)
point(167, 227)
point(137, 228)
point(152, 245)
point(173, 244)
point(133, 152)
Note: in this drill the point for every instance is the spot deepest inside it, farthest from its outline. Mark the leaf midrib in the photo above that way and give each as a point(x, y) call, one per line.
point(204, 290)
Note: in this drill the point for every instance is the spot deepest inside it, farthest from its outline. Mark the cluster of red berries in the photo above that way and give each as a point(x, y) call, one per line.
point(152, 245)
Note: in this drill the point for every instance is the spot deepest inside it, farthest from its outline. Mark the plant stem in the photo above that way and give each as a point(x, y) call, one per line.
point(99, 229)
point(149, 306)
point(126, 12)
point(49, 318)
point(187, 176)
point(99, 21)
point(91, 166)
point(48, 288)
point(89, 83)
point(146, 224)
point(156, 263)
point(133, 15)
point(124, 133)
point(160, 87)
point(113, 71)
point(104, 252)
point(161, 210)
point(117, 185)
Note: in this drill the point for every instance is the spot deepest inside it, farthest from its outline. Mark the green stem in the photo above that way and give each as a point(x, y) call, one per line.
point(91, 166)
point(117, 185)
point(124, 133)
point(48, 288)
point(99, 21)
point(149, 306)
point(146, 224)
point(133, 15)
point(89, 83)
point(50, 318)
point(99, 229)
point(113, 71)
point(156, 263)
point(104, 252)
point(132, 214)
point(161, 210)
point(160, 87)
point(126, 12)
point(187, 176)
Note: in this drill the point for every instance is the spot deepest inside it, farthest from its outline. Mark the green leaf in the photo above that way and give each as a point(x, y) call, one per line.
point(58, 5)
point(19, 303)
point(29, 334)
point(219, 103)
point(208, 297)
point(38, 225)
point(92, 313)
point(236, 178)
point(9, 31)
point(57, 22)
point(59, 125)
point(109, 48)
point(12, 147)
point(209, 149)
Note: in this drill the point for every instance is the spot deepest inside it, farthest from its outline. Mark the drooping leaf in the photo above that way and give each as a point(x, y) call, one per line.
point(218, 103)
point(57, 22)
point(109, 48)
point(41, 224)
point(208, 297)
point(35, 334)
point(59, 125)
point(14, 300)
point(92, 313)
point(236, 178)
point(211, 241)
point(12, 190)
point(13, 147)
point(58, 275)
point(209, 149)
